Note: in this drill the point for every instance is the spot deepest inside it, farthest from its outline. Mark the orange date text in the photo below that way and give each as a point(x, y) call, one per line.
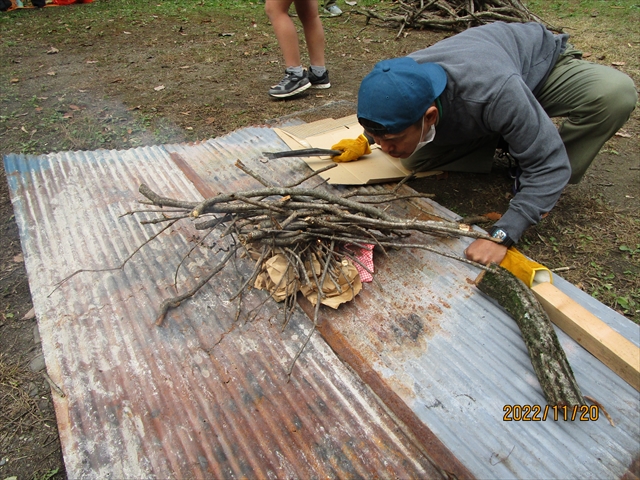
point(537, 413)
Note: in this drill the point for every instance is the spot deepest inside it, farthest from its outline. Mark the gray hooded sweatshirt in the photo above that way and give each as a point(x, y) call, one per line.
point(493, 74)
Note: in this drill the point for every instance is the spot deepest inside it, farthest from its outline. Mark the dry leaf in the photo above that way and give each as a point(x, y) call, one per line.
point(74, 107)
point(14, 80)
point(52, 50)
point(24, 130)
point(493, 216)
point(18, 258)
point(68, 115)
point(92, 61)
point(617, 64)
point(51, 74)
point(127, 33)
point(30, 315)
point(623, 134)
point(159, 87)
point(210, 120)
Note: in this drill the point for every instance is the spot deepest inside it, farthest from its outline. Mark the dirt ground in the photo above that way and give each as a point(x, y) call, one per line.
point(74, 80)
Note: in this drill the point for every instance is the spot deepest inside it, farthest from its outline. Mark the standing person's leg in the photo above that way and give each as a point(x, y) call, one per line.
point(285, 30)
point(314, 35)
point(313, 32)
point(596, 101)
point(296, 79)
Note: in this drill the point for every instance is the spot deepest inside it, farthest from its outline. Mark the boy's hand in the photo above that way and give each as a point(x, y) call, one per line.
point(351, 149)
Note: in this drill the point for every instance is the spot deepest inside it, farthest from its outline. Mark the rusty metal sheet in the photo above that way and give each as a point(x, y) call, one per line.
point(447, 360)
point(205, 395)
point(443, 359)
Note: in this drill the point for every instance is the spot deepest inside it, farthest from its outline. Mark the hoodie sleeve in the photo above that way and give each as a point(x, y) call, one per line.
point(534, 141)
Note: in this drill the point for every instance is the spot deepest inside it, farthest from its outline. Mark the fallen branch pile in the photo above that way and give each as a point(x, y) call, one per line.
point(452, 15)
point(301, 239)
point(301, 233)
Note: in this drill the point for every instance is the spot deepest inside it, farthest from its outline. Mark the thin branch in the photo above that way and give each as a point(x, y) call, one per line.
point(320, 295)
point(174, 302)
point(61, 282)
point(312, 174)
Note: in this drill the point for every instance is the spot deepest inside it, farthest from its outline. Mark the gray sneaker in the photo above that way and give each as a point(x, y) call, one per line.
point(290, 85)
point(321, 81)
point(333, 10)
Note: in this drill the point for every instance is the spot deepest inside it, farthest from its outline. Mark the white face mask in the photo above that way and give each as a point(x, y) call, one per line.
point(431, 134)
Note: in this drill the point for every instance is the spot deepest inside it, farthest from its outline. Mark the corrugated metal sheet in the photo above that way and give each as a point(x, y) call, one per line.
point(203, 395)
point(189, 399)
point(456, 359)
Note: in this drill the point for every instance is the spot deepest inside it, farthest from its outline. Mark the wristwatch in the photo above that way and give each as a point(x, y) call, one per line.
point(502, 236)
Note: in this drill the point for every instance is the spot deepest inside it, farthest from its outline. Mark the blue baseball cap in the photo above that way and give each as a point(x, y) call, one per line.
point(398, 91)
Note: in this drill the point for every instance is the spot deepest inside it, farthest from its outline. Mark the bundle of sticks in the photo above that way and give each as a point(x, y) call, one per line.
point(307, 228)
point(452, 15)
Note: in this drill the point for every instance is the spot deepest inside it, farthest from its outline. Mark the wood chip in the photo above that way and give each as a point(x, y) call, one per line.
point(601, 408)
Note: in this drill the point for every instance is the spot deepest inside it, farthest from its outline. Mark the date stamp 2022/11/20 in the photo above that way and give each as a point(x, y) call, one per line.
point(537, 413)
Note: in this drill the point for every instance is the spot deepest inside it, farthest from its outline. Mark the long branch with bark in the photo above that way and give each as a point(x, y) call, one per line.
point(547, 356)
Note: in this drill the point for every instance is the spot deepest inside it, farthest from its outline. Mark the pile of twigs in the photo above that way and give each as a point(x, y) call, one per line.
point(452, 15)
point(307, 227)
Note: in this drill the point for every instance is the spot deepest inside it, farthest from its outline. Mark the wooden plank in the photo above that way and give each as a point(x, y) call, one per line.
point(598, 338)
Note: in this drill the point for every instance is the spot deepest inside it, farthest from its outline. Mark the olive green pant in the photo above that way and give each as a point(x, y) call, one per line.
point(593, 100)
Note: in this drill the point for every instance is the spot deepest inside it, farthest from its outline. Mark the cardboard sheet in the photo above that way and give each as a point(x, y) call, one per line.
point(377, 167)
